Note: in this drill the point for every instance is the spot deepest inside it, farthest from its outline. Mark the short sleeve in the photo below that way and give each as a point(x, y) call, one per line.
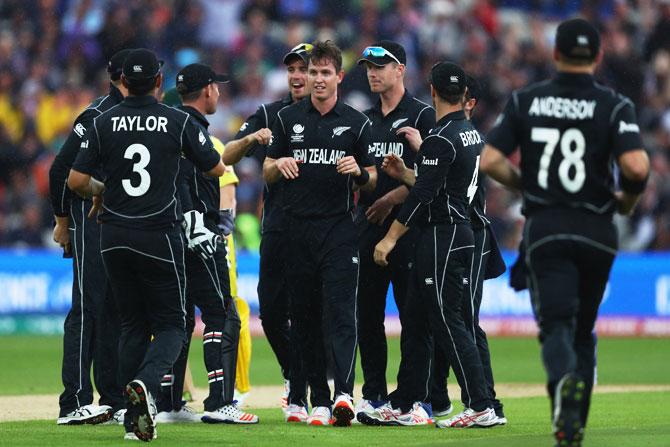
point(362, 144)
point(88, 157)
point(504, 134)
point(425, 121)
point(198, 147)
point(278, 143)
point(624, 130)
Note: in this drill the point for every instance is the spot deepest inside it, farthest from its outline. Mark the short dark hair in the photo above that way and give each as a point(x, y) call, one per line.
point(451, 94)
point(327, 51)
point(140, 87)
point(188, 96)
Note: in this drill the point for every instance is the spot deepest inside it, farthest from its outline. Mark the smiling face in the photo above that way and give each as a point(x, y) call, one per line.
point(383, 78)
point(323, 78)
point(296, 73)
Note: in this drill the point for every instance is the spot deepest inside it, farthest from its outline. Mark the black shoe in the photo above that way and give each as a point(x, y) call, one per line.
point(142, 411)
point(567, 423)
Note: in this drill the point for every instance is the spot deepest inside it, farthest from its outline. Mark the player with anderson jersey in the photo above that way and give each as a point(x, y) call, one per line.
point(443, 185)
point(253, 136)
point(569, 130)
point(320, 147)
point(396, 109)
point(138, 145)
point(91, 327)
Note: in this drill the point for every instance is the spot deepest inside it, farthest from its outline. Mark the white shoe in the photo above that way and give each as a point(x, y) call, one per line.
point(88, 414)
point(143, 410)
point(229, 414)
point(319, 416)
point(384, 415)
point(362, 406)
point(295, 413)
point(284, 396)
point(185, 414)
point(343, 411)
point(446, 412)
point(240, 397)
point(501, 420)
point(117, 418)
point(470, 418)
point(419, 415)
point(130, 436)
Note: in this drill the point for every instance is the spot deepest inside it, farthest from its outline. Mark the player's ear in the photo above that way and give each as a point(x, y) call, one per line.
point(340, 76)
point(124, 81)
point(599, 57)
point(159, 80)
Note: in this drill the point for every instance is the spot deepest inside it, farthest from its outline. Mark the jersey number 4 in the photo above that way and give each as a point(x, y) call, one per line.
point(472, 188)
point(573, 147)
point(138, 167)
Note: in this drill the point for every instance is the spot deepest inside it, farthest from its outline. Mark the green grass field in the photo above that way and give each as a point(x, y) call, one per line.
point(32, 366)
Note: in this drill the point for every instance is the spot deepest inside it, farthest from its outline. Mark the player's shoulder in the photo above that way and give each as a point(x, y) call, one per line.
point(533, 90)
point(351, 113)
point(417, 106)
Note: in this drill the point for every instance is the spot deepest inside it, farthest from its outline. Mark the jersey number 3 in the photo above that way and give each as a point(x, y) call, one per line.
point(573, 147)
point(145, 178)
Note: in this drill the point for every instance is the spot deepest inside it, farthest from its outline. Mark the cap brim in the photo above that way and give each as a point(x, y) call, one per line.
point(294, 54)
point(378, 61)
point(221, 78)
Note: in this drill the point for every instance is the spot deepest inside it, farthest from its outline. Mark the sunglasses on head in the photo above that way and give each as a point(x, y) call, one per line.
point(379, 52)
point(306, 47)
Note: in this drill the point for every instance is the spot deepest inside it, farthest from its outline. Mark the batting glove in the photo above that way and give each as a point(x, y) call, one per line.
point(200, 240)
point(226, 221)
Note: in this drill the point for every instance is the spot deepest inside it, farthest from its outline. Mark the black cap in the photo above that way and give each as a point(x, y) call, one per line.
point(384, 52)
point(448, 79)
point(141, 64)
point(474, 87)
point(302, 51)
point(577, 39)
point(115, 64)
point(193, 77)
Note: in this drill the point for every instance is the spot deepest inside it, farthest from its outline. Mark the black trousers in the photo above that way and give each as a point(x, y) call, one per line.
point(273, 298)
point(569, 255)
point(146, 272)
point(208, 287)
point(373, 286)
point(91, 327)
point(439, 287)
point(323, 278)
point(484, 243)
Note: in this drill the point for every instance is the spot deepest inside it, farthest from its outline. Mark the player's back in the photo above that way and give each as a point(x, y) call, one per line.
point(140, 151)
point(566, 128)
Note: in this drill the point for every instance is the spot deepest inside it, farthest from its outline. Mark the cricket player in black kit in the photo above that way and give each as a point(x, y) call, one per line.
point(396, 109)
point(138, 145)
point(444, 182)
point(208, 284)
point(320, 146)
point(273, 292)
point(91, 327)
point(569, 130)
point(487, 263)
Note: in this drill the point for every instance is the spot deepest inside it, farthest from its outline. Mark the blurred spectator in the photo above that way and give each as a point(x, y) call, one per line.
point(53, 54)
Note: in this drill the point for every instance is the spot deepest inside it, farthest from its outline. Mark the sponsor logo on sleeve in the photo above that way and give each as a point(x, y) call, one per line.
point(80, 130)
point(628, 127)
point(201, 138)
point(244, 126)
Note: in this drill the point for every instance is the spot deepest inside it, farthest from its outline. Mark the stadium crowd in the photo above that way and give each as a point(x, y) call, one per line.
point(51, 52)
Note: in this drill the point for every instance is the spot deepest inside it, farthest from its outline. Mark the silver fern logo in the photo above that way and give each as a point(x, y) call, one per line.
point(340, 130)
point(397, 123)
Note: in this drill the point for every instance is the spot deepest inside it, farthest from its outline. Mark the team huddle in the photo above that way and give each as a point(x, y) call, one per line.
point(354, 202)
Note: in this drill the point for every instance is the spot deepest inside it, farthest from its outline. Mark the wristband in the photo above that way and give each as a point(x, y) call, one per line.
point(632, 186)
point(363, 178)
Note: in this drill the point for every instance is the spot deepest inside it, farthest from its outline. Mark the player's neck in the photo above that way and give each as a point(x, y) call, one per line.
point(443, 108)
point(562, 67)
point(197, 106)
point(325, 105)
point(391, 98)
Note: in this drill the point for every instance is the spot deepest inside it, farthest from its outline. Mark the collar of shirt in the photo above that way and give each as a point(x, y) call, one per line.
point(574, 78)
point(402, 105)
point(288, 99)
point(338, 109)
point(139, 101)
point(457, 115)
point(115, 93)
point(195, 113)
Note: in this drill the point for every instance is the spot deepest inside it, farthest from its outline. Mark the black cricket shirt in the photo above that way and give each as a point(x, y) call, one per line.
point(138, 145)
point(384, 141)
point(446, 174)
point(317, 142)
point(569, 129)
